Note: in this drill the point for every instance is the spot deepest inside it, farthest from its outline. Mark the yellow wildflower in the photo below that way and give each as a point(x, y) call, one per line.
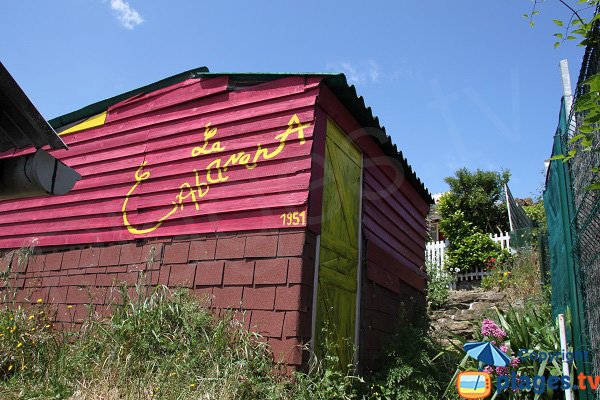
point(19, 345)
point(31, 317)
point(47, 326)
point(32, 329)
point(10, 367)
point(69, 307)
point(39, 300)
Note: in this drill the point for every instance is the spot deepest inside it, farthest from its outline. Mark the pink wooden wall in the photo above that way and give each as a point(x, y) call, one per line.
point(146, 171)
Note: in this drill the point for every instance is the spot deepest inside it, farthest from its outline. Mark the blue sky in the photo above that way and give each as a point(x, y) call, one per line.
point(456, 83)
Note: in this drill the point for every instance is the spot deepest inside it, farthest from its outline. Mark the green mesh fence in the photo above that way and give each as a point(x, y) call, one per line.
point(565, 276)
point(586, 221)
point(573, 217)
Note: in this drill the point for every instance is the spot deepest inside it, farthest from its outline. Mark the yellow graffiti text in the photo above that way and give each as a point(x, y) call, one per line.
point(215, 173)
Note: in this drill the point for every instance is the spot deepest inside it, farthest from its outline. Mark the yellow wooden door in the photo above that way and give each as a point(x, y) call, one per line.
point(339, 248)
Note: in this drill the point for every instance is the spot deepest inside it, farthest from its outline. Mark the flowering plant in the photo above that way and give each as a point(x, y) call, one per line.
point(22, 331)
point(513, 331)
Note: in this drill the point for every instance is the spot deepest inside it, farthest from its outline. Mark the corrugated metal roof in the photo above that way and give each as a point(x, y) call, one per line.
point(337, 82)
point(21, 124)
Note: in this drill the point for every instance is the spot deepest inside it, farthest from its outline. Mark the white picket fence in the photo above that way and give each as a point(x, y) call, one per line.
point(435, 253)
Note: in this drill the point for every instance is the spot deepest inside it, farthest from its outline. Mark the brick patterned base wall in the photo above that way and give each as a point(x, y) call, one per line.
point(266, 277)
point(383, 310)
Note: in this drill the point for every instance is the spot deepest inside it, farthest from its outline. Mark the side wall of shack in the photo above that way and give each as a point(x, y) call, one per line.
point(394, 236)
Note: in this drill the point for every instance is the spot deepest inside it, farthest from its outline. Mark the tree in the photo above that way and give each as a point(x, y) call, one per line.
point(479, 196)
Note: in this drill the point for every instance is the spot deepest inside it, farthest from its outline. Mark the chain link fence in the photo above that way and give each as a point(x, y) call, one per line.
point(573, 219)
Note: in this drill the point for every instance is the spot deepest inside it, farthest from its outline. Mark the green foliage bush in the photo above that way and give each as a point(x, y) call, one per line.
point(438, 286)
point(456, 226)
point(471, 210)
point(158, 345)
point(536, 213)
point(474, 250)
point(412, 368)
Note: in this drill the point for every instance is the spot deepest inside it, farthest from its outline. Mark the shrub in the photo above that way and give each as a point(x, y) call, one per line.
point(163, 344)
point(438, 286)
point(474, 250)
point(411, 369)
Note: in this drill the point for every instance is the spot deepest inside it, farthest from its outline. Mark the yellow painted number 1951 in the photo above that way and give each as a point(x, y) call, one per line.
point(293, 218)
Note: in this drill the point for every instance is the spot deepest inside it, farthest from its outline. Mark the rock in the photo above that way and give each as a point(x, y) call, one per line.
point(462, 313)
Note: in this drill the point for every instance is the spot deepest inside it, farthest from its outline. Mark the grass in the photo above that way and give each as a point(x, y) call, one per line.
point(164, 344)
point(160, 344)
point(521, 280)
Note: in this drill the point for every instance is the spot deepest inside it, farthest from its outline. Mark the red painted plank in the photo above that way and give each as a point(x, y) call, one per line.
point(266, 219)
point(106, 216)
point(195, 115)
point(315, 202)
point(190, 89)
point(111, 201)
point(410, 248)
point(372, 235)
point(372, 230)
point(382, 258)
point(123, 145)
point(379, 194)
point(99, 187)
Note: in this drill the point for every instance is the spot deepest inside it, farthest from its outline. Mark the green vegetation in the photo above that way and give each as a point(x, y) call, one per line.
point(521, 280)
point(163, 344)
point(413, 368)
point(536, 213)
point(479, 196)
point(469, 212)
point(474, 250)
point(511, 331)
point(469, 247)
point(438, 286)
point(156, 345)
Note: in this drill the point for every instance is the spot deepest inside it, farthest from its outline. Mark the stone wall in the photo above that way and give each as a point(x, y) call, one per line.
point(463, 312)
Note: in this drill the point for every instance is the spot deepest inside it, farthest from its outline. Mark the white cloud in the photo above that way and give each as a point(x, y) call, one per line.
point(128, 17)
point(361, 73)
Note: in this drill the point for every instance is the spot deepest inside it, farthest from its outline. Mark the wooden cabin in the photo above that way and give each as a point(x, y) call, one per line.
point(279, 196)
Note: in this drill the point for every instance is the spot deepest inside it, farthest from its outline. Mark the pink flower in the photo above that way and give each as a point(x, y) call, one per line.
point(488, 369)
point(504, 348)
point(515, 362)
point(489, 328)
point(502, 370)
